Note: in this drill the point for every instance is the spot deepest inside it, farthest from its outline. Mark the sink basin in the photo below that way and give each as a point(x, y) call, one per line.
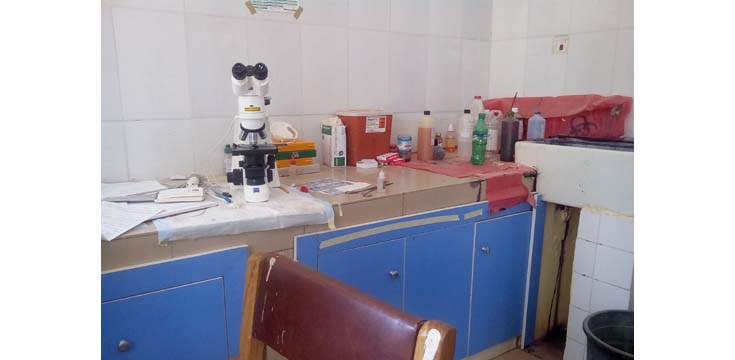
point(582, 173)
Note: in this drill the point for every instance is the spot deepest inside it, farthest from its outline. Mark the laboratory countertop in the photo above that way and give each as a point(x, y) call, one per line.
point(411, 192)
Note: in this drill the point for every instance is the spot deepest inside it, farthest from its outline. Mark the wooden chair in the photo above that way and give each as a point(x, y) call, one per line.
point(305, 315)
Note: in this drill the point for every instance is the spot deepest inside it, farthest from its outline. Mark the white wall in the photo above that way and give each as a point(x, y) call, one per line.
point(166, 98)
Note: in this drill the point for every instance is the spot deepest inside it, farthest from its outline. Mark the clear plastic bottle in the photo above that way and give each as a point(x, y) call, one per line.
point(520, 123)
point(451, 140)
point(536, 126)
point(464, 140)
point(424, 147)
point(476, 108)
point(479, 141)
point(492, 118)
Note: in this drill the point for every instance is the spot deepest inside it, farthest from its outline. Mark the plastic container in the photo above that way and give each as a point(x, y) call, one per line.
point(451, 140)
point(609, 335)
point(380, 183)
point(464, 139)
point(476, 108)
point(479, 141)
point(404, 146)
point(536, 126)
point(228, 158)
point(439, 152)
point(368, 133)
point(508, 136)
point(492, 119)
point(424, 148)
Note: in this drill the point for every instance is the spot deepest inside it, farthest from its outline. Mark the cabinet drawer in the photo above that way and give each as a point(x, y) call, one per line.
point(185, 322)
point(374, 269)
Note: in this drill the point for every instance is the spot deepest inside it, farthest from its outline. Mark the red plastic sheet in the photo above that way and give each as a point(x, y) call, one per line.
point(585, 116)
point(504, 181)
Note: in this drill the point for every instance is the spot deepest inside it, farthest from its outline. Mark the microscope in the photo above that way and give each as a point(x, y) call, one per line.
point(253, 154)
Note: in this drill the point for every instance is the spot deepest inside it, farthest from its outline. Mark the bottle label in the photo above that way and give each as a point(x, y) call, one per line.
point(481, 138)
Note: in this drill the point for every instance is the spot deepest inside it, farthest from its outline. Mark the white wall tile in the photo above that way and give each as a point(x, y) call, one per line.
point(370, 14)
point(574, 324)
point(325, 12)
point(409, 16)
point(443, 70)
point(152, 62)
point(590, 63)
point(589, 225)
point(158, 149)
point(368, 69)
point(595, 15)
point(324, 69)
point(231, 8)
point(507, 67)
point(209, 137)
point(544, 70)
point(477, 16)
point(584, 257)
point(406, 124)
point(510, 19)
point(114, 156)
point(626, 14)
point(608, 297)
point(170, 5)
point(111, 108)
point(614, 266)
point(214, 45)
point(407, 69)
point(574, 350)
point(475, 71)
point(616, 232)
point(278, 45)
point(548, 17)
point(442, 120)
point(445, 18)
point(623, 71)
point(581, 291)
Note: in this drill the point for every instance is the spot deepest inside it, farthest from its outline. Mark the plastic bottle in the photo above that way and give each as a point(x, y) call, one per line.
point(424, 148)
point(380, 183)
point(439, 147)
point(508, 136)
point(464, 140)
point(479, 141)
point(536, 126)
point(520, 124)
point(451, 140)
point(228, 158)
point(492, 119)
point(476, 108)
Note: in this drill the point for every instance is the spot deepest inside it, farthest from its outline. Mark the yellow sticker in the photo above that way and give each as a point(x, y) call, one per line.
point(252, 108)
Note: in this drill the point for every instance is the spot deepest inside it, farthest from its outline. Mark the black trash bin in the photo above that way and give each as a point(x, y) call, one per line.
point(609, 335)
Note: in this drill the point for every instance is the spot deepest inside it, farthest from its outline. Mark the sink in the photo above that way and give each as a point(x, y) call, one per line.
point(582, 173)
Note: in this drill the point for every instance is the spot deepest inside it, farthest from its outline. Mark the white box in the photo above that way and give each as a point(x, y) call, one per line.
point(334, 145)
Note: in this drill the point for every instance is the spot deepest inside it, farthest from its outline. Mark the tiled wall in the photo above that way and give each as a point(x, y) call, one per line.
point(603, 273)
point(166, 98)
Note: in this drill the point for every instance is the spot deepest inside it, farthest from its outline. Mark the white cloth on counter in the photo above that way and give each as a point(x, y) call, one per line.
point(280, 211)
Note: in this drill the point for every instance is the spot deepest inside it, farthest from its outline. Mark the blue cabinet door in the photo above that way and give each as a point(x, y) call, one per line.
point(498, 288)
point(374, 269)
point(185, 322)
point(438, 276)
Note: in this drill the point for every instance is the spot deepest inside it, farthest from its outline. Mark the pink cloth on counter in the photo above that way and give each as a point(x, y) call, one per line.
point(504, 180)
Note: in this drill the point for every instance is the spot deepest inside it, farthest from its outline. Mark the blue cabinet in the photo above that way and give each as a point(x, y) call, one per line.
point(151, 325)
point(438, 273)
point(499, 282)
point(187, 308)
point(374, 269)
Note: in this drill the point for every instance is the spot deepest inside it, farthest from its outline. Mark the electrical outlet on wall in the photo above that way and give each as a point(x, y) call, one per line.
point(560, 44)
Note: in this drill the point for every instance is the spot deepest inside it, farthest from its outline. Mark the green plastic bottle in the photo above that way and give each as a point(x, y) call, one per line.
point(479, 141)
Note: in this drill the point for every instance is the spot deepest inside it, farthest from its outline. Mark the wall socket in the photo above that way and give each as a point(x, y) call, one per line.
point(560, 44)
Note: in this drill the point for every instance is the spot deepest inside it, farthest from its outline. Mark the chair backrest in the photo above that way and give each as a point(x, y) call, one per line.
point(304, 315)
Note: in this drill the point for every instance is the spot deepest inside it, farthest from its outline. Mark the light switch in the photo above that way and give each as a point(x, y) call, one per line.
point(560, 44)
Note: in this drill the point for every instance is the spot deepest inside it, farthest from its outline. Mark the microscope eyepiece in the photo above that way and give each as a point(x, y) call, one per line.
point(261, 71)
point(239, 71)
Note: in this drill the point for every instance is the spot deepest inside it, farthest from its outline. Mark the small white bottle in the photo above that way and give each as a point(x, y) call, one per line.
point(464, 138)
point(536, 126)
point(520, 123)
point(381, 181)
point(492, 119)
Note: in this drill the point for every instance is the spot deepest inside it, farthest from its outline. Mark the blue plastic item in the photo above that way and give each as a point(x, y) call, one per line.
point(536, 126)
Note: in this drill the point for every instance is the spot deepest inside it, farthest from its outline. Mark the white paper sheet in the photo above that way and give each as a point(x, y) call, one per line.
point(130, 188)
point(117, 218)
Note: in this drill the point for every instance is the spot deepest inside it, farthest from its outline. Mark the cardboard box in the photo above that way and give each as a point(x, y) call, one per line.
point(334, 140)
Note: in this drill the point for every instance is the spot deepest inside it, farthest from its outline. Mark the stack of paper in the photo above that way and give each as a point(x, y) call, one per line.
point(130, 188)
point(117, 218)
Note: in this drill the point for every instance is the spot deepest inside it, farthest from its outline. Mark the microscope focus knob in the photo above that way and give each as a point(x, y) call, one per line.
point(235, 177)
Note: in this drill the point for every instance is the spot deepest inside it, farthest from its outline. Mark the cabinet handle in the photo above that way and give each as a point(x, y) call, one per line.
point(485, 249)
point(393, 274)
point(123, 345)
